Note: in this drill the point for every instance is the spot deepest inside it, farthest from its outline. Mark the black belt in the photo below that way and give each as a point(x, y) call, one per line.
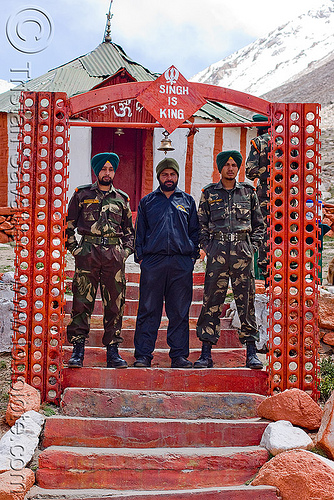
point(230, 236)
point(101, 240)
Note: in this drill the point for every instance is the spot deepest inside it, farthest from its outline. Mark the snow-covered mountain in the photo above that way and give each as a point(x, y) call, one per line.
point(292, 49)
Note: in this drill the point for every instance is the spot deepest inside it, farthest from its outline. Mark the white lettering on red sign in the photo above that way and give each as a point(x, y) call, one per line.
point(174, 89)
point(177, 114)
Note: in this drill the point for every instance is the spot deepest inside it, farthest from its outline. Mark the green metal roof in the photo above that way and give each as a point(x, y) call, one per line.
point(84, 73)
point(217, 111)
point(80, 75)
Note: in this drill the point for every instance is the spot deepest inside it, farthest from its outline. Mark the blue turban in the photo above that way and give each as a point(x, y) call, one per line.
point(223, 157)
point(100, 159)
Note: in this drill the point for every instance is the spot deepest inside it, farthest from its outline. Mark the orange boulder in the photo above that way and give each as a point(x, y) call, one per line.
point(22, 398)
point(14, 484)
point(325, 437)
point(299, 474)
point(293, 405)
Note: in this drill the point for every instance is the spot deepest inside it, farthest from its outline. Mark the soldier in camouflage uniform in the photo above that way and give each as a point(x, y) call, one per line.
point(231, 229)
point(102, 216)
point(257, 167)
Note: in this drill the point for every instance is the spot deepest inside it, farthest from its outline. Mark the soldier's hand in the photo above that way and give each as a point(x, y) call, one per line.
point(202, 254)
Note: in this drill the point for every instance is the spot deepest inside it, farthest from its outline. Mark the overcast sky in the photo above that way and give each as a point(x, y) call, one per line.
point(191, 34)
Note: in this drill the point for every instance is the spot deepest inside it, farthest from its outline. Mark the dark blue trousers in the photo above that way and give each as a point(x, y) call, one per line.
point(162, 277)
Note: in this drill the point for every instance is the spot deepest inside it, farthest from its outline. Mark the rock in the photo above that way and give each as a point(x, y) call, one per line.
point(293, 405)
point(8, 277)
point(18, 445)
point(325, 437)
point(282, 436)
point(6, 318)
point(15, 484)
point(299, 474)
point(326, 310)
point(261, 314)
point(328, 338)
point(22, 398)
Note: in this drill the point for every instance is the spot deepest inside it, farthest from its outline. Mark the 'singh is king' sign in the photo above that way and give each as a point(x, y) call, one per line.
point(170, 99)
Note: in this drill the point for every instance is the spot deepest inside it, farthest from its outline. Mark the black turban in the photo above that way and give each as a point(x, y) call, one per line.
point(167, 163)
point(100, 159)
point(223, 157)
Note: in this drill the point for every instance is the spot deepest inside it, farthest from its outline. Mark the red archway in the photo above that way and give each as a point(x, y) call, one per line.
point(40, 251)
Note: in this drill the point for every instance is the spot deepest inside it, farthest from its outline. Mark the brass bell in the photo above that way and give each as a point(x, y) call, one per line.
point(166, 143)
point(119, 131)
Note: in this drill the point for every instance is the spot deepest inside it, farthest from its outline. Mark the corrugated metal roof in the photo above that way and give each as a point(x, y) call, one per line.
point(105, 62)
point(217, 111)
point(82, 74)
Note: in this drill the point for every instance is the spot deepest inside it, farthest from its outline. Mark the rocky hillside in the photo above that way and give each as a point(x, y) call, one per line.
point(294, 63)
point(278, 57)
point(315, 86)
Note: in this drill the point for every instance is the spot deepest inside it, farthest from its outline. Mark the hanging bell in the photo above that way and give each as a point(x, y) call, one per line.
point(166, 143)
point(119, 131)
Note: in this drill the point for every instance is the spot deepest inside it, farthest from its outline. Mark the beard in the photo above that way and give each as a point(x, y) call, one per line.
point(105, 181)
point(168, 186)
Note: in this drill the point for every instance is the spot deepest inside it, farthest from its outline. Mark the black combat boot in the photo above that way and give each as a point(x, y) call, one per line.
point(181, 362)
point(252, 361)
point(142, 362)
point(114, 360)
point(205, 359)
point(76, 360)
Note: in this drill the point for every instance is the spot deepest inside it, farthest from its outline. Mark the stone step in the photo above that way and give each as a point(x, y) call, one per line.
point(126, 403)
point(150, 432)
point(149, 469)
point(132, 291)
point(134, 277)
point(131, 307)
point(229, 338)
point(223, 358)
point(169, 379)
point(222, 493)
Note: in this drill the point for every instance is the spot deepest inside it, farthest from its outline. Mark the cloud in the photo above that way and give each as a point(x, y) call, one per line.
point(192, 34)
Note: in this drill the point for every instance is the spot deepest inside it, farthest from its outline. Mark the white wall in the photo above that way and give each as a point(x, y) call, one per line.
point(202, 161)
point(179, 143)
point(79, 158)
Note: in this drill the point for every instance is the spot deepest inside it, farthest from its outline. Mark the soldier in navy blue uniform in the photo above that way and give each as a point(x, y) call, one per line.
point(166, 246)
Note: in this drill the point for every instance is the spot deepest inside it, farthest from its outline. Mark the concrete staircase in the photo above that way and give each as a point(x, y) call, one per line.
point(156, 433)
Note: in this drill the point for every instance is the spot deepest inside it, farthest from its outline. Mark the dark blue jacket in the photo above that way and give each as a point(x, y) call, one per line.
point(166, 226)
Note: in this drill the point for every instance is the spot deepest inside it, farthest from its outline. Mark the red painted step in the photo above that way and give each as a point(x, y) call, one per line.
point(132, 291)
point(151, 432)
point(229, 338)
point(223, 358)
point(123, 403)
point(169, 379)
point(149, 469)
point(131, 307)
point(222, 493)
point(198, 278)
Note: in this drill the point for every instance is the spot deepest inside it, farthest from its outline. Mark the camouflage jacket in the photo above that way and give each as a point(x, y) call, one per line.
point(230, 211)
point(258, 159)
point(100, 213)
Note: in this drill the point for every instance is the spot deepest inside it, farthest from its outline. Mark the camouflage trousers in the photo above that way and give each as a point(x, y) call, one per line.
point(228, 260)
point(263, 261)
point(98, 265)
